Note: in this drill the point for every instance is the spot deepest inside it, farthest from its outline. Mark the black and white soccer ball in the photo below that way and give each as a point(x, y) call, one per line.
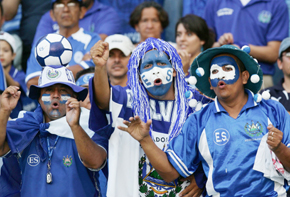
point(53, 50)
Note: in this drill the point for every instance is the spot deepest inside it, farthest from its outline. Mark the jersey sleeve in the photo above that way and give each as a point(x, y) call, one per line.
point(182, 152)
point(33, 67)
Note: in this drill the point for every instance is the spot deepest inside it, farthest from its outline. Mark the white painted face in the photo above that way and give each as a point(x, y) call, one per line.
point(164, 74)
point(217, 72)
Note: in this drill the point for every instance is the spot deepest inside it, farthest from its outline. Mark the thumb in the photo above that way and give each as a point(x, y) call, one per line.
point(148, 123)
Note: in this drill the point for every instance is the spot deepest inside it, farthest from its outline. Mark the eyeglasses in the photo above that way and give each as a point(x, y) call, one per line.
point(62, 5)
point(287, 54)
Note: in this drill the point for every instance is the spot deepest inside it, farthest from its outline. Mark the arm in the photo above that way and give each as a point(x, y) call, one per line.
point(100, 54)
point(10, 8)
point(274, 142)
point(10, 81)
point(140, 131)
point(93, 156)
point(32, 81)
point(267, 53)
point(9, 99)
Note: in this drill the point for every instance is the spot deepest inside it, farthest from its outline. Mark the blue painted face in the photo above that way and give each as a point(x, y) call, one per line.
point(156, 72)
point(224, 68)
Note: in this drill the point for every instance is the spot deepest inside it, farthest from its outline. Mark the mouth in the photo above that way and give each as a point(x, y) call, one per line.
point(157, 82)
point(221, 84)
point(55, 105)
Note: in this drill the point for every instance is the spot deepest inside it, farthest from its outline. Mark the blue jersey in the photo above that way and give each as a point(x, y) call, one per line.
point(81, 42)
point(130, 172)
point(30, 141)
point(257, 23)
point(100, 19)
point(227, 147)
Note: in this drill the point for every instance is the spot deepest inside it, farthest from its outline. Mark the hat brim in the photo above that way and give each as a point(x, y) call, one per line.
point(81, 92)
point(205, 58)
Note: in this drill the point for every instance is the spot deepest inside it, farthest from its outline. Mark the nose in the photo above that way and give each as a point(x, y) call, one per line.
point(149, 24)
point(55, 93)
point(117, 58)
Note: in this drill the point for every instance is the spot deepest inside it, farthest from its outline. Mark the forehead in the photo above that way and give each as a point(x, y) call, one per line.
point(155, 55)
point(4, 43)
point(57, 86)
point(149, 12)
point(224, 59)
point(116, 52)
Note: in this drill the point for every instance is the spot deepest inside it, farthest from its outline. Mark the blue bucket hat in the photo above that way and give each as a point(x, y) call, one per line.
point(204, 61)
point(52, 75)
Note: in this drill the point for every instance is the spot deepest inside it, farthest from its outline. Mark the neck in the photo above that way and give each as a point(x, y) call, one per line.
point(234, 105)
point(286, 83)
point(119, 81)
point(67, 32)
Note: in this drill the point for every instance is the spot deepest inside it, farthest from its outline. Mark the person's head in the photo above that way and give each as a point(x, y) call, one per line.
point(120, 49)
point(55, 86)
point(1, 15)
point(226, 71)
point(149, 19)
point(82, 79)
point(67, 13)
point(193, 34)
point(7, 49)
point(159, 56)
point(283, 61)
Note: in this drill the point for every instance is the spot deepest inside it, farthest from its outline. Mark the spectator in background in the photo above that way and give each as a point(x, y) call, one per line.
point(13, 76)
point(149, 19)
point(31, 13)
point(80, 39)
point(192, 37)
point(120, 49)
point(98, 18)
point(260, 24)
point(281, 91)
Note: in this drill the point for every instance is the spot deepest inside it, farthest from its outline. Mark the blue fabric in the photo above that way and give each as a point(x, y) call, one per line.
point(100, 19)
point(13, 25)
point(2, 79)
point(27, 138)
point(194, 7)
point(81, 42)
point(228, 146)
point(257, 23)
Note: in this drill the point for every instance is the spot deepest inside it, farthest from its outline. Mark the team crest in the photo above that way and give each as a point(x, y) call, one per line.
point(53, 74)
point(67, 161)
point(265, 16)
point(254, 129)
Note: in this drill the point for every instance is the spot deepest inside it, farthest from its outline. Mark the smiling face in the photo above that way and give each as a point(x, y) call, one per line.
point(225, 77)
point(53, 101)
point(156, 73)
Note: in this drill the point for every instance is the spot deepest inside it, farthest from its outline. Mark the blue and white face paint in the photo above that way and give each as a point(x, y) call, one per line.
point(224, 68)
point(156, 72)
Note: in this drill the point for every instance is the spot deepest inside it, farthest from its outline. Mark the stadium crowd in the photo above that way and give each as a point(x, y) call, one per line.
point(147, 98)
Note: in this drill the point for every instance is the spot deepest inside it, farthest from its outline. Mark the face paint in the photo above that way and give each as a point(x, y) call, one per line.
point(64, 98)
point(156, 72)
point(46, 99)
point(224, 68)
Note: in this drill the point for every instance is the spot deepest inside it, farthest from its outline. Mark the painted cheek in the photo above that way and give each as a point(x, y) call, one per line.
point(64, 98)
point(46, 99)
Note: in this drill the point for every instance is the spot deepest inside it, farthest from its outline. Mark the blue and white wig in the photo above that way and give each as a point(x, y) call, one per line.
point(140, 100)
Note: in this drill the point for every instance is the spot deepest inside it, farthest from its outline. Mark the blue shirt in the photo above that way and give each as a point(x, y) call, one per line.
point(257, 23)
point(227, 147)
point(194, 7)
point(81, 42)
point(100, 19)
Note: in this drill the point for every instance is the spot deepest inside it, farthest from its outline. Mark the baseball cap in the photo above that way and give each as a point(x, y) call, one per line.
point(52, 75)
point(121, 42)
point(8, 38)
point(285, 44)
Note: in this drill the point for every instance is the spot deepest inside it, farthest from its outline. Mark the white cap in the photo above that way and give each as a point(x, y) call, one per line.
point(121, 42)
point(8, 38)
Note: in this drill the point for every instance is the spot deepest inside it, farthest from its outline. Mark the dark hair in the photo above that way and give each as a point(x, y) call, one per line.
point(135, 16)
point(1, 9)
point(85, 71)
point(197, 25)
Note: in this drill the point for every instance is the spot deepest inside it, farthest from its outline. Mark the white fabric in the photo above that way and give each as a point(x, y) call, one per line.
point(264, 163)
point(61, 128)
point(245, 2)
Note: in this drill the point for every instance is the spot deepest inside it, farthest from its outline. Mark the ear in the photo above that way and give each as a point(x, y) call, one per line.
point(13, 56)
point(52, 15)
point(210, 83)
point(202, 42)
point(137, 27)
point(279, 64)
point(82, 12)
point(174, 73)
point(245, 77)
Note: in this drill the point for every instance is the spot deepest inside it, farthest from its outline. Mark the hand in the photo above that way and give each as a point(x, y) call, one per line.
point(100, 53)
point(185, 59)
point(274, 137)
point(226, 38)
point(73, 112)
point(137, 128)
point(9, 98)
point(192, 190)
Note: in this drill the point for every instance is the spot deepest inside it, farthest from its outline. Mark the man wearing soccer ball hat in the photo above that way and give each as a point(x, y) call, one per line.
point(54, 147)
point(226, 134)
